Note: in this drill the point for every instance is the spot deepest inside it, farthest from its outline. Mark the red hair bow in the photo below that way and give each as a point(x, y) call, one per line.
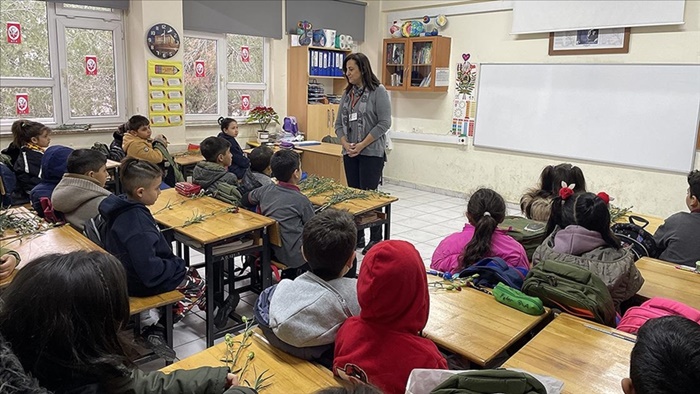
point(605, 197)
point(566, 191)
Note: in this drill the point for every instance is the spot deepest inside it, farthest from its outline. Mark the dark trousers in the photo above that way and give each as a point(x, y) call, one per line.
point(365, 172)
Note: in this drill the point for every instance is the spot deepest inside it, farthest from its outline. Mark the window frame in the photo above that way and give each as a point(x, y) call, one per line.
point(57, 19)
point(223, 84)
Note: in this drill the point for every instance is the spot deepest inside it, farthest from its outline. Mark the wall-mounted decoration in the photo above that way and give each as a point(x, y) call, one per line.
point(163, 41)
point(14, 33)
point(200, 70)
point(426, 27)
point(589, 42)
point(166, 100)
point(22, 103)
point(90, 65)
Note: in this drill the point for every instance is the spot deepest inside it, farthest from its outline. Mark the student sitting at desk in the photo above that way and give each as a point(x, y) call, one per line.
point(677, 238)
point(666, 358)
point(579, 234)
point(70, 343)
point(382, 345)
point(212, 173)
point(79, 194)
point(480, 237)
point(260, 164)
point(536, 204)
point(138, 144)
point(291, 209)
point(32, 138)
point(303, 315)
point(53, 166)
point(229, 132)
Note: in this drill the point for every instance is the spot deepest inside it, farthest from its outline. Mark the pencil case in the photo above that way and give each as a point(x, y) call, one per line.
point(187, 189)
point(518, 300)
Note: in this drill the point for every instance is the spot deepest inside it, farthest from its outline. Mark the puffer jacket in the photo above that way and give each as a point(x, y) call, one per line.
point(615, 267)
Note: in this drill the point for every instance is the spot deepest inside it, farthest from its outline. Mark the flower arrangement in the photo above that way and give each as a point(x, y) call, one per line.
point(264, 116)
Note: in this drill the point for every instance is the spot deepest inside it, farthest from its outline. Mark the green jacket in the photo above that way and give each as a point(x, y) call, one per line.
point(204, 380)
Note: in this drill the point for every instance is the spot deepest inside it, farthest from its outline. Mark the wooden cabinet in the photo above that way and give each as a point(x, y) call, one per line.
point(411, 64)
point(314, 120)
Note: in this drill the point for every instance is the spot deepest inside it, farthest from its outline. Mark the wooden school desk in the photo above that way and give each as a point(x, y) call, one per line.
point(187, 162)
point(358, 208)
point(323, 160)
point(113, 170)
point(291, 374)
point(662, 279)
point(217, 237)
point(474, 325)
point(588, 361)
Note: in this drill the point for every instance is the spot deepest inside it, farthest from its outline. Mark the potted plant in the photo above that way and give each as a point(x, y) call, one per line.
point(264, 116)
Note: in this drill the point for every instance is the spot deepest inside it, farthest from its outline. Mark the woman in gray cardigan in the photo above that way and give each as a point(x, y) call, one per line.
point(363, 120)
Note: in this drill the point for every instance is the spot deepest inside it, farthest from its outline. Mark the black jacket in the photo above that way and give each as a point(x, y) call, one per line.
point(240, 161)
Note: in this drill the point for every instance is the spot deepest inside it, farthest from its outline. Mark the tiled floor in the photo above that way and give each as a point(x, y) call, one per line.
point(420, 217)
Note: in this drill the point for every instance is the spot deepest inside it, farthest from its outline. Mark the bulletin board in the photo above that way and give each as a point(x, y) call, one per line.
point(166, 98)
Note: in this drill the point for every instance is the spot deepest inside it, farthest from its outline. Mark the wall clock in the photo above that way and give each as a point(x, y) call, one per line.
point(163, 40)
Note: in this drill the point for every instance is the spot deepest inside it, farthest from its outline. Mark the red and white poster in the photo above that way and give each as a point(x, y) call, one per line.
point(245, 54)
point(245, 102)
point(90, 65)
point(199, 70)
point(14, 33)
point(22, 103)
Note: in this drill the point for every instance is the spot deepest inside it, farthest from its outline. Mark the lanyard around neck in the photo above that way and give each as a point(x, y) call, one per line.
point(354, 101)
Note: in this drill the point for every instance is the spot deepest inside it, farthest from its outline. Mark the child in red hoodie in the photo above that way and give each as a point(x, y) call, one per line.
point(382, 345)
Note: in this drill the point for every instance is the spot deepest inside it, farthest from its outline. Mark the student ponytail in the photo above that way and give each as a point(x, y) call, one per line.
point(552, 177)
point(583, 209)
point(24, 130)
point(225, 122)
point(486, 209)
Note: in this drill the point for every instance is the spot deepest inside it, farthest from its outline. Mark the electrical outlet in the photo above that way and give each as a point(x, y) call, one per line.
point(461, 140)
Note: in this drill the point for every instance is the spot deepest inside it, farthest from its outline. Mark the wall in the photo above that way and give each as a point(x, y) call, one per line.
point(486, 37)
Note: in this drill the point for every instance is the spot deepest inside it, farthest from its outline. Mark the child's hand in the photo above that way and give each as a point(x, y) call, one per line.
point(8, 263)
point(231, 380)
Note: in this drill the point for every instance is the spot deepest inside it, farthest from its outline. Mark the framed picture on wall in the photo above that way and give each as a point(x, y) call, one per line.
point(589, 42)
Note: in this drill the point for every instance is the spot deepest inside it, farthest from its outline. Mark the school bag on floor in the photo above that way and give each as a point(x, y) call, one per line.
point(529, 233)
point(572, 289)
point(640, 241)
point(636, 316)
point(490, 381)
point(494, 270)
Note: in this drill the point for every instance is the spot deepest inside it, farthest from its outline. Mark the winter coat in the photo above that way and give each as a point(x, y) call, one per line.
point(53, 166)
point(586, 249)
point(141, 149)
point(78, 198)
point(216, 180)
point(383, 345)
point(28, 169)
point(240, 161)
point(13, 378)
point(135, 239)
point(535, 207)
point(446, 255)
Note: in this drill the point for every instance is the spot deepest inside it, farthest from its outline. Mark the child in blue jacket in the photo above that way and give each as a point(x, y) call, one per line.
point(229, 132)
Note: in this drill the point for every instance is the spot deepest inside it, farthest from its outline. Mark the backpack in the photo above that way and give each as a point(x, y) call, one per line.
point(8, 181)
point(494, 270)
point(572, 289)
point(529, 233)
point(96, 230)
point(102, 148)
point(631, 234)
point(50, 215)
point(490, 381)
point(636, 316)
point(290, 125)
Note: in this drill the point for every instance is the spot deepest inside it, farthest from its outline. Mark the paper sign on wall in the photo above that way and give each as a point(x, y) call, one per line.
point(442, 76)
point(166, 100)
point(199, 70)
point(245, 102)
point(245, 54)
point(14, 33)
point(22, 103)
point(90, 65)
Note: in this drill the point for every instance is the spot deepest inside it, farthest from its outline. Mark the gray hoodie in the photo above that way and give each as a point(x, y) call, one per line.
point(77, 197)
point(308, 310)
point(586, 249)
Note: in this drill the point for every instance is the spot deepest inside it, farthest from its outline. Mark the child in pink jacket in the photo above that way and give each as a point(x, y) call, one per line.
point(480, 237)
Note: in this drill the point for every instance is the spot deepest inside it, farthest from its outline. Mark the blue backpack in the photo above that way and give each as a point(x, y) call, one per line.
point(492, 271)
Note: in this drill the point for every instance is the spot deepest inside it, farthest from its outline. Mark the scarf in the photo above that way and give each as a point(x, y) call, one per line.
point(355, 130)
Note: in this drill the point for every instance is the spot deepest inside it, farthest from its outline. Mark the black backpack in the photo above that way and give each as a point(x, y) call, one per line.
point(631, 234)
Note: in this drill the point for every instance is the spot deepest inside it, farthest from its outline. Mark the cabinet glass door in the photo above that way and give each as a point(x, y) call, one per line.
point(395, 64)
point(421, 64)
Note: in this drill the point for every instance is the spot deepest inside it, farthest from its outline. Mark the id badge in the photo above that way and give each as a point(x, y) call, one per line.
point(353, 117)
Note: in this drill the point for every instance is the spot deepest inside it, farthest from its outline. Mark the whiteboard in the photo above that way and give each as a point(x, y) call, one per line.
point(640, 115)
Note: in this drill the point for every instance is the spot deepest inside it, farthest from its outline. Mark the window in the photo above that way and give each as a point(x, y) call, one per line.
point(49, 65)
point(224, 77)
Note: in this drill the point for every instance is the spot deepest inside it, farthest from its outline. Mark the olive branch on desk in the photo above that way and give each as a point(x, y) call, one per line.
point(317, 185)
point(199, 218)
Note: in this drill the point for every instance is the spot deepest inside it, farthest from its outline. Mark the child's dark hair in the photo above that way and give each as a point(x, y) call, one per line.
point(225, 122)
point(212, 147)
point(260, 158)
point(24, 130)
point(364, 67)
point(486, 209)
point(552, 177)
point(62, 314)
point(123, 128)
point(135, 173)
point(694, 183)
point(329, 240)
point(284, 163)
point(136, 122)
point(82, 161)
point(586, 210)
point(666, 357)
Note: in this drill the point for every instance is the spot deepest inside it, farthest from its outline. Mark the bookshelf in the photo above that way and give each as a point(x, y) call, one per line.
point(411, 64)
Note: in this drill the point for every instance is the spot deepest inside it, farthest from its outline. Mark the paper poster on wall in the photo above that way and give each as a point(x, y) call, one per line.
point(90, 65)
point(442, 76)
point(199, 70)
point(245, 54)
point(166, 100)
point(14, 33)
point(245, 103)
point(22, 103)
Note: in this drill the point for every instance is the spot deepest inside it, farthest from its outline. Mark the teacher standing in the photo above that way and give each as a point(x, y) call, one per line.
point(363, 119)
